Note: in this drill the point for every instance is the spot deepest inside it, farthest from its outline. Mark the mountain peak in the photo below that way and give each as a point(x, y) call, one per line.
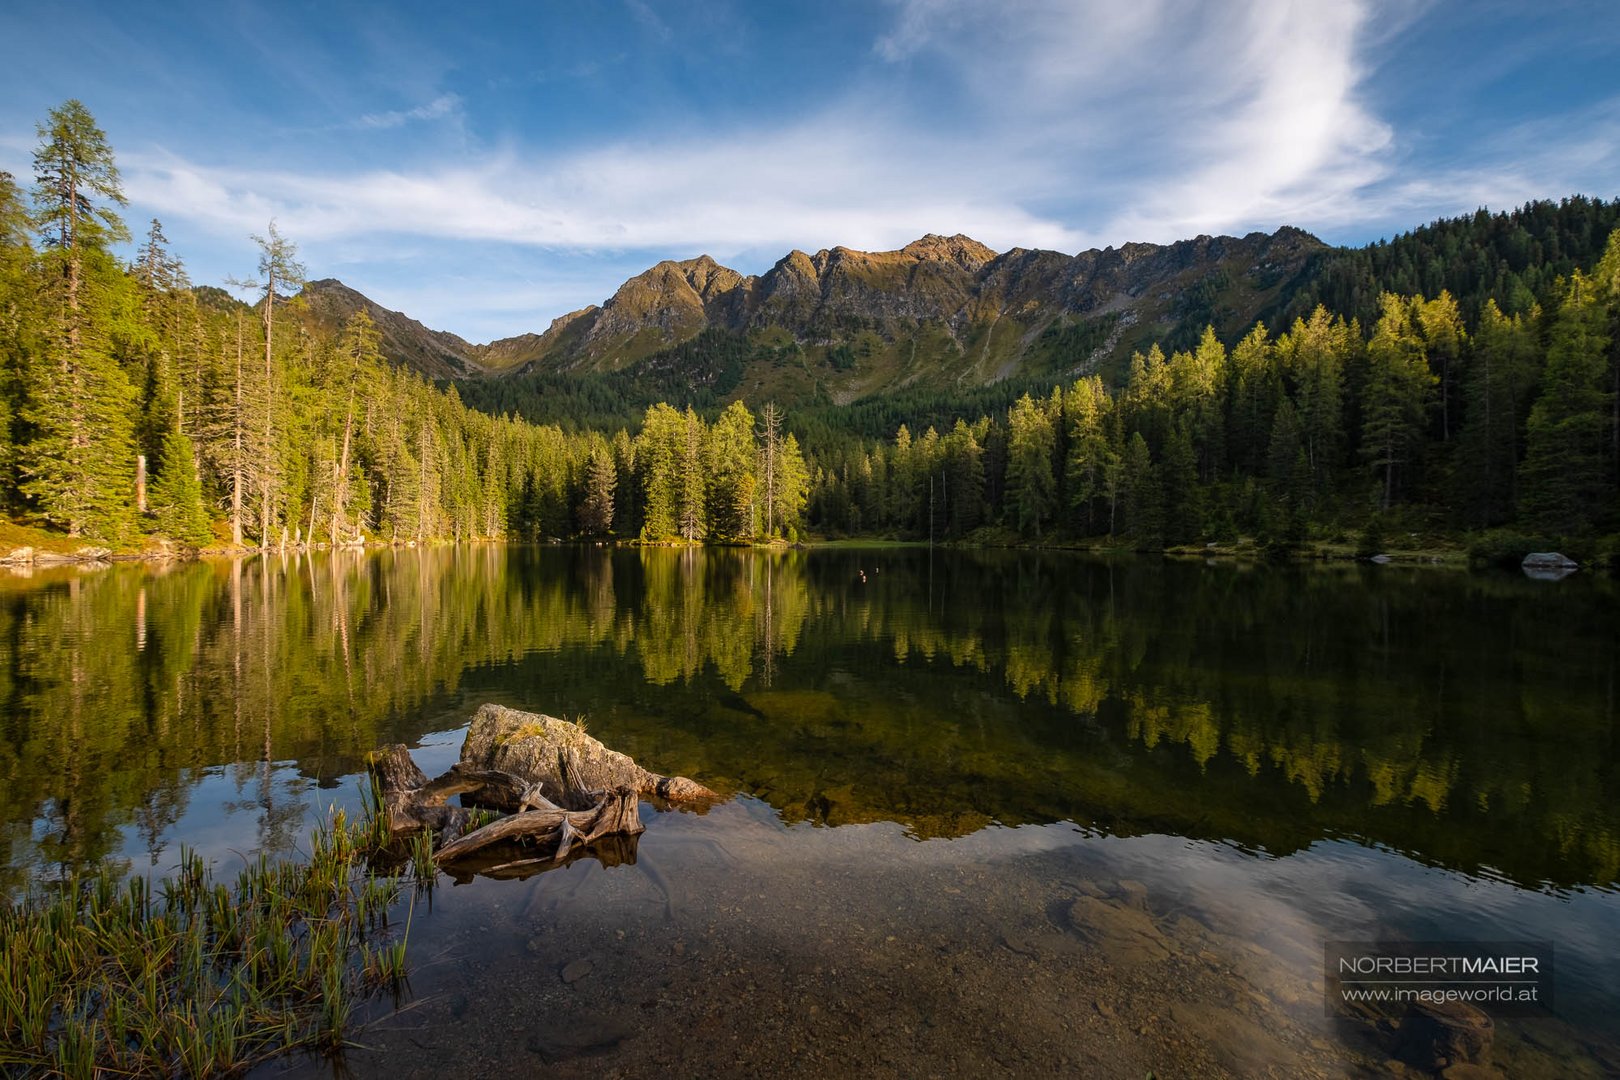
point(964, 251)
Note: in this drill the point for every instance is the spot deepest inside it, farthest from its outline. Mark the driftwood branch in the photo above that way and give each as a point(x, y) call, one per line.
point(563, 793)
point(615, 814)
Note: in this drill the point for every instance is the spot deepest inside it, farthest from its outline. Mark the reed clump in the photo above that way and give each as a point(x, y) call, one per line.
point(103, 976)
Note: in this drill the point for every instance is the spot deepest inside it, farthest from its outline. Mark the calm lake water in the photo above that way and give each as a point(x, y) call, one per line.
point(1019, 813)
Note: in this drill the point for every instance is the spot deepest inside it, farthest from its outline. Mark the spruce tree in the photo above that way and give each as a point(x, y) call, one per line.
point(1495, 390)
point(1031, 486)
point(80, 465)
point(177, 502)
point(1396, 402)
point(596, 506)
point(1566, 451)
point(731, 474)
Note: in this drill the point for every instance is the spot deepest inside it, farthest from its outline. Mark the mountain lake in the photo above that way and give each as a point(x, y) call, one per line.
point(988, 813)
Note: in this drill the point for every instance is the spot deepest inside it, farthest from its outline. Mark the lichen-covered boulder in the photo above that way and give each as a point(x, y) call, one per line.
point(562, 758)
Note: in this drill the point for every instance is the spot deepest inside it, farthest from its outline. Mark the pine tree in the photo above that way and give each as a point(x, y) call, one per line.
point(1182, 497)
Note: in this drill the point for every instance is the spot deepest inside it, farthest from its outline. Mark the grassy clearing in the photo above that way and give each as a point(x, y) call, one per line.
point(195, 977)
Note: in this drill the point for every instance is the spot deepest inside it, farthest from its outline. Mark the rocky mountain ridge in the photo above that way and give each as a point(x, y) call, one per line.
point(941, 309)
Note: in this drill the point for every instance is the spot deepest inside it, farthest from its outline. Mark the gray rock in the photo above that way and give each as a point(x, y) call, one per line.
point(1549, 560)
point(538, 748)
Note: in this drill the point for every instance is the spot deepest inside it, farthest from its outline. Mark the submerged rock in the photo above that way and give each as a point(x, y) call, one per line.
point(1440, 1035)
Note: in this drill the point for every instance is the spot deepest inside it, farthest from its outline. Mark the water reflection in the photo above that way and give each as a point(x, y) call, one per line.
point(1468, 721)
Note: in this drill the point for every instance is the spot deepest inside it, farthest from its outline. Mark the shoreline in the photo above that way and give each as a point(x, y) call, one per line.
point(29, 557)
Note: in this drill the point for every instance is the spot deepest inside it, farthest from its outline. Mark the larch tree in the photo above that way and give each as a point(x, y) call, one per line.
point(770, 465)
point(1255, 388)
point(1314, 354)
point(1444, 341)
point(793, 487)
point(361, 351)
point(280, 272)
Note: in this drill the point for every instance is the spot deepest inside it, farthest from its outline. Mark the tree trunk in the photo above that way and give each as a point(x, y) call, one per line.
point(561, 789)
point(236, 464)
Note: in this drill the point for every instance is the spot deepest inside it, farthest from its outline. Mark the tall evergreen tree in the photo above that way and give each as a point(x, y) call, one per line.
point(731, 474)
point(1139, 492)
point(1031, 486)
point(1566, 451)
point(1315, 354)
point(177, 492)
point(658, 454)
point(80, 465)
point(1495, 395)
point(1086, 409)
point(692, 504)
point(596, 507)
point(1399, 390)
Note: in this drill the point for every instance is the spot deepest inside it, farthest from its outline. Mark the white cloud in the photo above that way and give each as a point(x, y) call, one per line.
point(440, 107)
point(827, 181)
point(1048, 123)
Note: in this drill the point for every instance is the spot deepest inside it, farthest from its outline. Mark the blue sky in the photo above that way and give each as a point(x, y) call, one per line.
point(488, 166)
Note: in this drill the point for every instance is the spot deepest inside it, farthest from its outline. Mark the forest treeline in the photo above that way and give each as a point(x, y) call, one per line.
point(256, 423)
point(1422, 419)
point(135, 404)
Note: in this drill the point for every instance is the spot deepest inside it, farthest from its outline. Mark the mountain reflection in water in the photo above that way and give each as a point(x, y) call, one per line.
point(1436, 753)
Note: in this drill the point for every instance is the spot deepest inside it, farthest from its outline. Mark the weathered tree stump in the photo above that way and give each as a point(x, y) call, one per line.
point(562, 790)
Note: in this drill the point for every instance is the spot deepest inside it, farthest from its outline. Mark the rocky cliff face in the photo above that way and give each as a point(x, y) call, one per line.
point(940, 308)
point(437, 354)
point(953, 285)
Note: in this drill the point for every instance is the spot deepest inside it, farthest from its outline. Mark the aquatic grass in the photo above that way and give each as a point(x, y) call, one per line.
point(424, 871)
point(194, 977)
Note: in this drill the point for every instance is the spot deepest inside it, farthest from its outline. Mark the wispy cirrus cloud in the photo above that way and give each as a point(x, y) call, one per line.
point(835, 179)
point(1039, 123)
point(440, 107)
